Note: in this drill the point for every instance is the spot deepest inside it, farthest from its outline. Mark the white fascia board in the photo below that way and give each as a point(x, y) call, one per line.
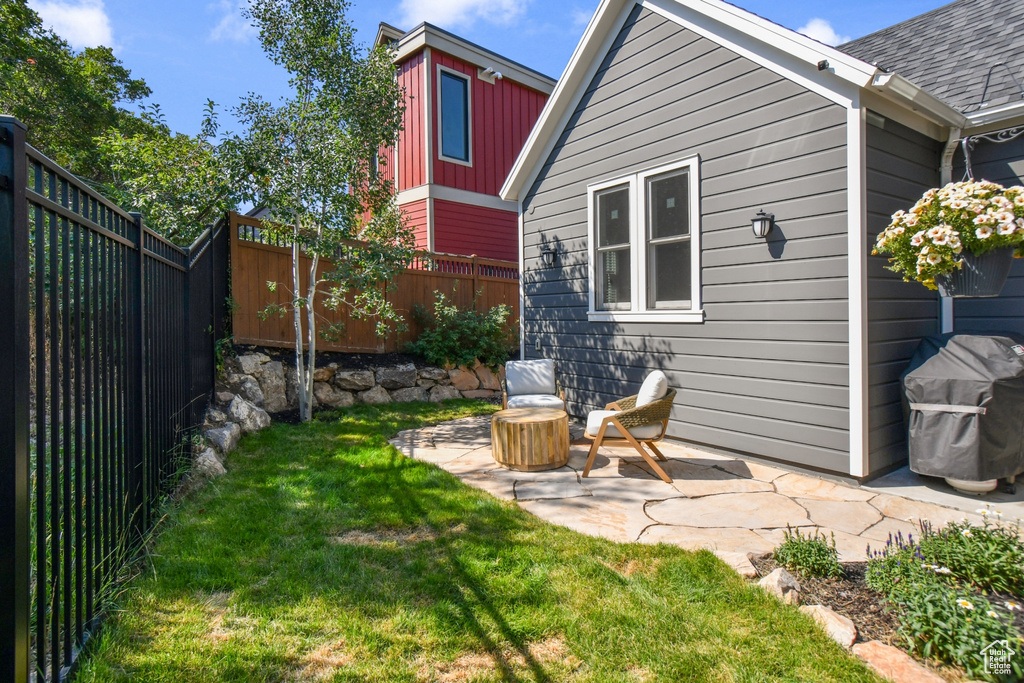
point(425, 36)
point(857, 293)
point(775, 47)
point(454, 194)
point(913, 97)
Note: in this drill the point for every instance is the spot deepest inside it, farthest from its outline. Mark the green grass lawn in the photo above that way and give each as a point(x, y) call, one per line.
point(324, 554)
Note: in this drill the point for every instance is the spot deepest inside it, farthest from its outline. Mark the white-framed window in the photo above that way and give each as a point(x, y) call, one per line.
point(644, 231)
point(455, 120)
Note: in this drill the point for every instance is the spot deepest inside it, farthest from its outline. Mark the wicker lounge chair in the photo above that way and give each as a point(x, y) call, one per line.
point(531, 384)
point(624, 421)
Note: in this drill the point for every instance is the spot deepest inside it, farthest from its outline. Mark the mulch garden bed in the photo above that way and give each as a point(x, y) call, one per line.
point(848, 595)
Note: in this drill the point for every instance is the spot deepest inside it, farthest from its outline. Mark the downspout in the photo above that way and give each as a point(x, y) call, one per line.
point(946, 177)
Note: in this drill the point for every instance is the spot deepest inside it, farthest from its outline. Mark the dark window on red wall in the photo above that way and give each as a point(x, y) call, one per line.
point(454, 117)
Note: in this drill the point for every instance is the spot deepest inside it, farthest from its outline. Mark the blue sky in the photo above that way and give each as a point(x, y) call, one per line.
point(192, 50)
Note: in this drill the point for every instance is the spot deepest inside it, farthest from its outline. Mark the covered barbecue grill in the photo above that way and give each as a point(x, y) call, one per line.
point(964, 402)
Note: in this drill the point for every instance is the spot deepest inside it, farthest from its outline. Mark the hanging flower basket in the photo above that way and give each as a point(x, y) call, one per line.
point(959, 238)
point(978, 276)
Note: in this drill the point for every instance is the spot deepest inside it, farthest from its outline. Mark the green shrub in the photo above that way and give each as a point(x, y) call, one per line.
point(989, 557)
point(810, 555)
point(460, 337)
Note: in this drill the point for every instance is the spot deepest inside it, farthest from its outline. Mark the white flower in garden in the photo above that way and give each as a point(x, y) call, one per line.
point(958, 204)
point(965, 604)
point(943, 570)
point(935, 232)
point(1019, 200)
point(934, 259)
point(898, 215)
point(984, 219)
point(1003, 216)
point(1012, 606)
point(1007, 228)
point(911, 220)
point(983, 232)
point(918, 239)
point(898, 230)
point(941, 240)
point(982, 511)
point(966, 532)
point(992, 614)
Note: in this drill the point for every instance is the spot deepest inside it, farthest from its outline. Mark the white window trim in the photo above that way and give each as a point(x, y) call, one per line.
point(469, 117)
point(639, 310)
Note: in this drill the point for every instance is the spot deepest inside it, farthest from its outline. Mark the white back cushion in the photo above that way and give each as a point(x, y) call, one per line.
point(655, 386)
point(530, 376)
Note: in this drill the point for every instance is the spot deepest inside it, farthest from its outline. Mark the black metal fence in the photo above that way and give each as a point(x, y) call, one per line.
point(107, 359)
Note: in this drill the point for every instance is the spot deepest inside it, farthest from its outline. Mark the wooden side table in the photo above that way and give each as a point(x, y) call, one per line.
point(530, 439)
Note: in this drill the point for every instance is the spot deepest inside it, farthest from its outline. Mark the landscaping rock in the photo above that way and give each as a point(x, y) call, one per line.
point(375, 396)
point(272, 382)
point(409, 394)
point(225, 438)
point(894, 664)
point(249, 417)
point(838, 627)
point(488, 380)
point(249, 389)
point(425, 383)
point(782, 585)
point(478, 393)
point(433, 373)
point(224, 397)
point(214, 418)
point(291, 387)
point(332, 397)
point(251, 363)
point(397, 377)
point(208, 465)
point(325, 374)
point(443, 393)
point(353, 380)
point(463, 379)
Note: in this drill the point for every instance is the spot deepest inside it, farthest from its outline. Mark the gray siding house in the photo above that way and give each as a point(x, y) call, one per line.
point(674, 123)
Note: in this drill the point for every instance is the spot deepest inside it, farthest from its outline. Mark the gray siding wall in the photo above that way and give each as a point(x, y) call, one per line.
point(901, 165)
point(1004, 164)
point(767, 372)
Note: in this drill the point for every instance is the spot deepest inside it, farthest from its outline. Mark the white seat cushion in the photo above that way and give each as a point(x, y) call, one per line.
point(655, 386)
point(595, 417)
point(530, 377)
point(536, 401)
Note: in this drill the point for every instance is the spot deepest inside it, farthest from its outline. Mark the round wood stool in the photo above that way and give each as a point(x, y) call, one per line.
point(530, 439)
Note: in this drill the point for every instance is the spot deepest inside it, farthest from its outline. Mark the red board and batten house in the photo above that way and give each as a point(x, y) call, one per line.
point(468, 113)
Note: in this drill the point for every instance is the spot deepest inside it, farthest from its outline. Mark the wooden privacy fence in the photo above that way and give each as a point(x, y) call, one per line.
point(257, 258)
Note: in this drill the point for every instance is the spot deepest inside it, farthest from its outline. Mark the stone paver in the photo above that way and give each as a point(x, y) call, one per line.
point(838, 627)
point(745, 510)
point(728, 505)
point(849, 516)
point(893, 664)
point(694, 538)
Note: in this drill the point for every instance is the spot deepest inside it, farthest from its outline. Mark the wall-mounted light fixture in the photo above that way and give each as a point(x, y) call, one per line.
point(549, 255)
point(762, 224)
point(823, 65)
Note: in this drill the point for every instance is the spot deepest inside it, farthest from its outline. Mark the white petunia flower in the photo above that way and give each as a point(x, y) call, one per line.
point(934, 259)
point(983, 232)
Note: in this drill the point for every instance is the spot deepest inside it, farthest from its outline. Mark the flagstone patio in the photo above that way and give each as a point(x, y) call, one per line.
point(729, 505)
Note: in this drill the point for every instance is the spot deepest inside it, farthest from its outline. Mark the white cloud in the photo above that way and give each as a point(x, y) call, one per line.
point(451, 13)
point(580, 18)
point(822, 31)
point(83, 23)
point(232, 26)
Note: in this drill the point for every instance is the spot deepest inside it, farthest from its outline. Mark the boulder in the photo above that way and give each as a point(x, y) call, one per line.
point(488, 379)
point(249, 417)
point(838, 627)
point(409, 394)
point(478, 393)
point(225, 438)
point(782, 585)
point(272, 382)
point(353, 380)
point(425, 383)
point(208, 465)
point(291, 387)
point(214, 418)
point(463, 379)
point(443, 393)
point(250, 363)
point(325, 374)
point(433, 373)
point(397, 376)
point(375, 396)
point(250, 390)
point(332, 397)
point(224, 397)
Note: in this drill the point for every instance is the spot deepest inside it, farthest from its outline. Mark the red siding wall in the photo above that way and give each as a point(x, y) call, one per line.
point(465, 229)
point(416, 219)
point(412, 167)
point(503, 115)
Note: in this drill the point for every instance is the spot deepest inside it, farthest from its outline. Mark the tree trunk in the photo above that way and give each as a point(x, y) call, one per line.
point(305, 404)
point(311, 331)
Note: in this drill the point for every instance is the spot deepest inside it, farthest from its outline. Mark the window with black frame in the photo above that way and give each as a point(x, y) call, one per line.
point(454, 108)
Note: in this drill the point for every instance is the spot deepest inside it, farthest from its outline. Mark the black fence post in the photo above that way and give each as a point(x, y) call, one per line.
point(14, 405)
point(138, 460)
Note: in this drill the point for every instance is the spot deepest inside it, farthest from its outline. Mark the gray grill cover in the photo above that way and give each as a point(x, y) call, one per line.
point(963, 397)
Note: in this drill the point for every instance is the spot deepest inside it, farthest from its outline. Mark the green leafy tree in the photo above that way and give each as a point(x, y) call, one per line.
point(66, 98)
point(179, 183)
point(314, 154)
